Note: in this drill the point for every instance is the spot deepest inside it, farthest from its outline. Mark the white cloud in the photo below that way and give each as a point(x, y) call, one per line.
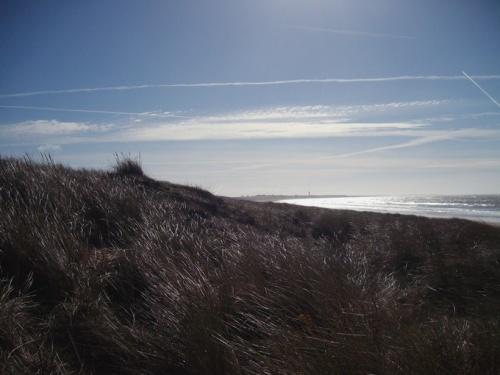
point(317, 112)
point(201, 130)
point(319, 121)
point(274, 122)
point(284, 113)
point(51, 128)
point(279, 122)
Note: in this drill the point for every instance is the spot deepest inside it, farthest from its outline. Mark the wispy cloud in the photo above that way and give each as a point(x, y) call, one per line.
point(206, 130)
point(280, 122)
point(268, 123)
point(253, 83)
point(316, 113)
point(482, 90)
point(456, 117)
point(354, 33)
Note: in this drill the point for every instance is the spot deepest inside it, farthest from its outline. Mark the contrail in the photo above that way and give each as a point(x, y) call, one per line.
point(52, 109)
point(480, 88)
point(355, 33)
point(412, 143)
point(416, 142)
point(249, 84)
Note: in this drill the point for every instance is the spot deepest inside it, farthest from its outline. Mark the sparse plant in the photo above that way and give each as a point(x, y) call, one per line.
point(126, 165)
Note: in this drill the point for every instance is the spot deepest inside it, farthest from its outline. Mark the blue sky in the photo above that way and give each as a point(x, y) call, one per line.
point(271, 96)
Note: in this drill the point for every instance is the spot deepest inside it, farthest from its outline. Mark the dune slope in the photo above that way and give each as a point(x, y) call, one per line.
point(111, 272)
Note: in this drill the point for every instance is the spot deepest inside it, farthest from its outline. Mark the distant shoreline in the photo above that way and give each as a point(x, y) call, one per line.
point(469, 207)
point(275, 198)
point(301, 199)
point(278, 197)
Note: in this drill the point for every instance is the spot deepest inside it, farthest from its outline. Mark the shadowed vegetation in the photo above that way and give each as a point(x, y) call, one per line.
point(115, 273)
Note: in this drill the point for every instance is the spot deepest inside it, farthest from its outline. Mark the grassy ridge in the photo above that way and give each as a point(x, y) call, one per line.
point(115, 273)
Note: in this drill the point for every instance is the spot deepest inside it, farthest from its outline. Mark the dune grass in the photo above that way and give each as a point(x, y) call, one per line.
point(111, 272)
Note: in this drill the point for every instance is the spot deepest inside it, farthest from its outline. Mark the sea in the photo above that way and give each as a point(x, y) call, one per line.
point(484, 208)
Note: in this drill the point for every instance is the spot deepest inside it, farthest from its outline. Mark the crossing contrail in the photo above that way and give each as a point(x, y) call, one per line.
point(250, 84)
point(480, 88)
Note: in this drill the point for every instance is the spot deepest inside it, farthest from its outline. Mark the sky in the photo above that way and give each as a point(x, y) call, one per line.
point(260, 96)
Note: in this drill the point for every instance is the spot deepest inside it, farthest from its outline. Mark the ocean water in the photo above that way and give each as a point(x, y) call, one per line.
point(484, 208)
